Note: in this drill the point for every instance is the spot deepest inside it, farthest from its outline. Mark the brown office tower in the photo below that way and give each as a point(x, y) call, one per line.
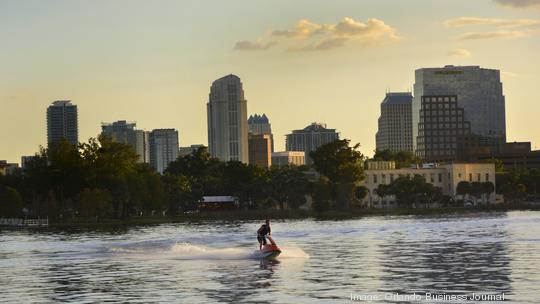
point(443, 132)
point(260, 150)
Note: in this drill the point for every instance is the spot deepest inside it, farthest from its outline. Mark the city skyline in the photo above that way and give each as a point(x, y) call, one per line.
point(335, 76)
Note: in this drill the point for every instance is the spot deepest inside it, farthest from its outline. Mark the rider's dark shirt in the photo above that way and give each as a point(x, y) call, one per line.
point(264, 230)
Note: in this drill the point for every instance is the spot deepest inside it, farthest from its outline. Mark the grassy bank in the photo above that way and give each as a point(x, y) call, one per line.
point(247, 215)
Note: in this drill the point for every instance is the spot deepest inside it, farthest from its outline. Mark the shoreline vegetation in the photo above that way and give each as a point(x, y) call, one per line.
point(101, 183)
point(286, 214)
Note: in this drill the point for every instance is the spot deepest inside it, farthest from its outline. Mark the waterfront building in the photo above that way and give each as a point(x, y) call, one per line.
point(259, 124)
point(475, 94)
point(395, 123)
point(25, 160)
point(184, 151)
point(284, 158)
point(444, 176)
point(260, 150)
point(516, 156)
point(217, 203)
point(227, 120)
point(380, 165)
point(8, 168)
point(62, 122)
point(163, 148)
point(310, 138)
point(3, 166)
point(126, 133)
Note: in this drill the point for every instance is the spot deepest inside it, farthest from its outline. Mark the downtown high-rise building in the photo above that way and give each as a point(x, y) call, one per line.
point(260, 150)
point(62, 122)
point(395, 124)
point(444, 134)
point(227, 120)
point(259, 124)
point(309, 139)
point(126, 133)
point(184, 151)
point(445, 96)
point(287, 158)
point(163, 148)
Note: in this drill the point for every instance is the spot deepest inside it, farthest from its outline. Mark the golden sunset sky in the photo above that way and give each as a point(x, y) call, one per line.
point(300, 61)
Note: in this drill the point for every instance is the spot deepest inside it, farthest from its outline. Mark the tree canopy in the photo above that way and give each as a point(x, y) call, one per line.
point(403, 159)
point(343, 165)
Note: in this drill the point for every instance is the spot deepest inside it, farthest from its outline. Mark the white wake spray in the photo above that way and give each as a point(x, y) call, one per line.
point(188, 251)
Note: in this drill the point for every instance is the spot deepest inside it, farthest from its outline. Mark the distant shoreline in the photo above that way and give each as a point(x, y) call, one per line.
point(249, 215)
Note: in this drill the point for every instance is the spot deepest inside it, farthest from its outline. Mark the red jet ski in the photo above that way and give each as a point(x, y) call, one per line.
point(269, 251)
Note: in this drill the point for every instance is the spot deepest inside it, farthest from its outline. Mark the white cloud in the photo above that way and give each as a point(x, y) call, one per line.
point(372, 29)
point(502, 23)
point(303, 29)
point(246, 45)
point(460, 53)
point(307, 35)
point(491, 35)
point(519, 3)
point(327, 44)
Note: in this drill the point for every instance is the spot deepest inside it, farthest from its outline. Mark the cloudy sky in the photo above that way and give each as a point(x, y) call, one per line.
point(300, 61)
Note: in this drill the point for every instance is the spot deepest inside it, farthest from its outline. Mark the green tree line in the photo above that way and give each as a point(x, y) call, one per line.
point(102, 178)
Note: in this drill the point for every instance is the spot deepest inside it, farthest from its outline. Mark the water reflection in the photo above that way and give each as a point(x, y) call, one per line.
point(454, 255)
point(241, 282)
point(453, 260)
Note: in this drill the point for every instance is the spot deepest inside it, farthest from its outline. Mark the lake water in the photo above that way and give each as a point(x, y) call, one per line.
point(383, 259)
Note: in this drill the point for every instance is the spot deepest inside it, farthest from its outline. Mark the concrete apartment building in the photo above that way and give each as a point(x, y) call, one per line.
point(62, 122)
point(227, 120)
point(184, 151)
point(125, 132)
point(446, 177)
point(395, 123)
point(310, 138)
point(260, 150)
point(163, 148)
point(284, 158)
point(476, 96)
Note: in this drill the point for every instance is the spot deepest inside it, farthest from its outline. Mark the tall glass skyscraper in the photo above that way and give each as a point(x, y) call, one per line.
point(476, 92)
point(227, 120)
point(309, 139)
point(163, 148)
point(62, 122)
point(395, 127)
point(124, 132)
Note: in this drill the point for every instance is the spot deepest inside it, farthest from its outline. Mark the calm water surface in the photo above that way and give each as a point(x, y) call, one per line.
point(322, 261)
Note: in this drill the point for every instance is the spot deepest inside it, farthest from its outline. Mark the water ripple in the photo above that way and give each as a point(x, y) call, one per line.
point(328, 261)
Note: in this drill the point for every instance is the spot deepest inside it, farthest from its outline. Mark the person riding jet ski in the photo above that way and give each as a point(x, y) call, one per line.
point(263, 232)
point(266, 251)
